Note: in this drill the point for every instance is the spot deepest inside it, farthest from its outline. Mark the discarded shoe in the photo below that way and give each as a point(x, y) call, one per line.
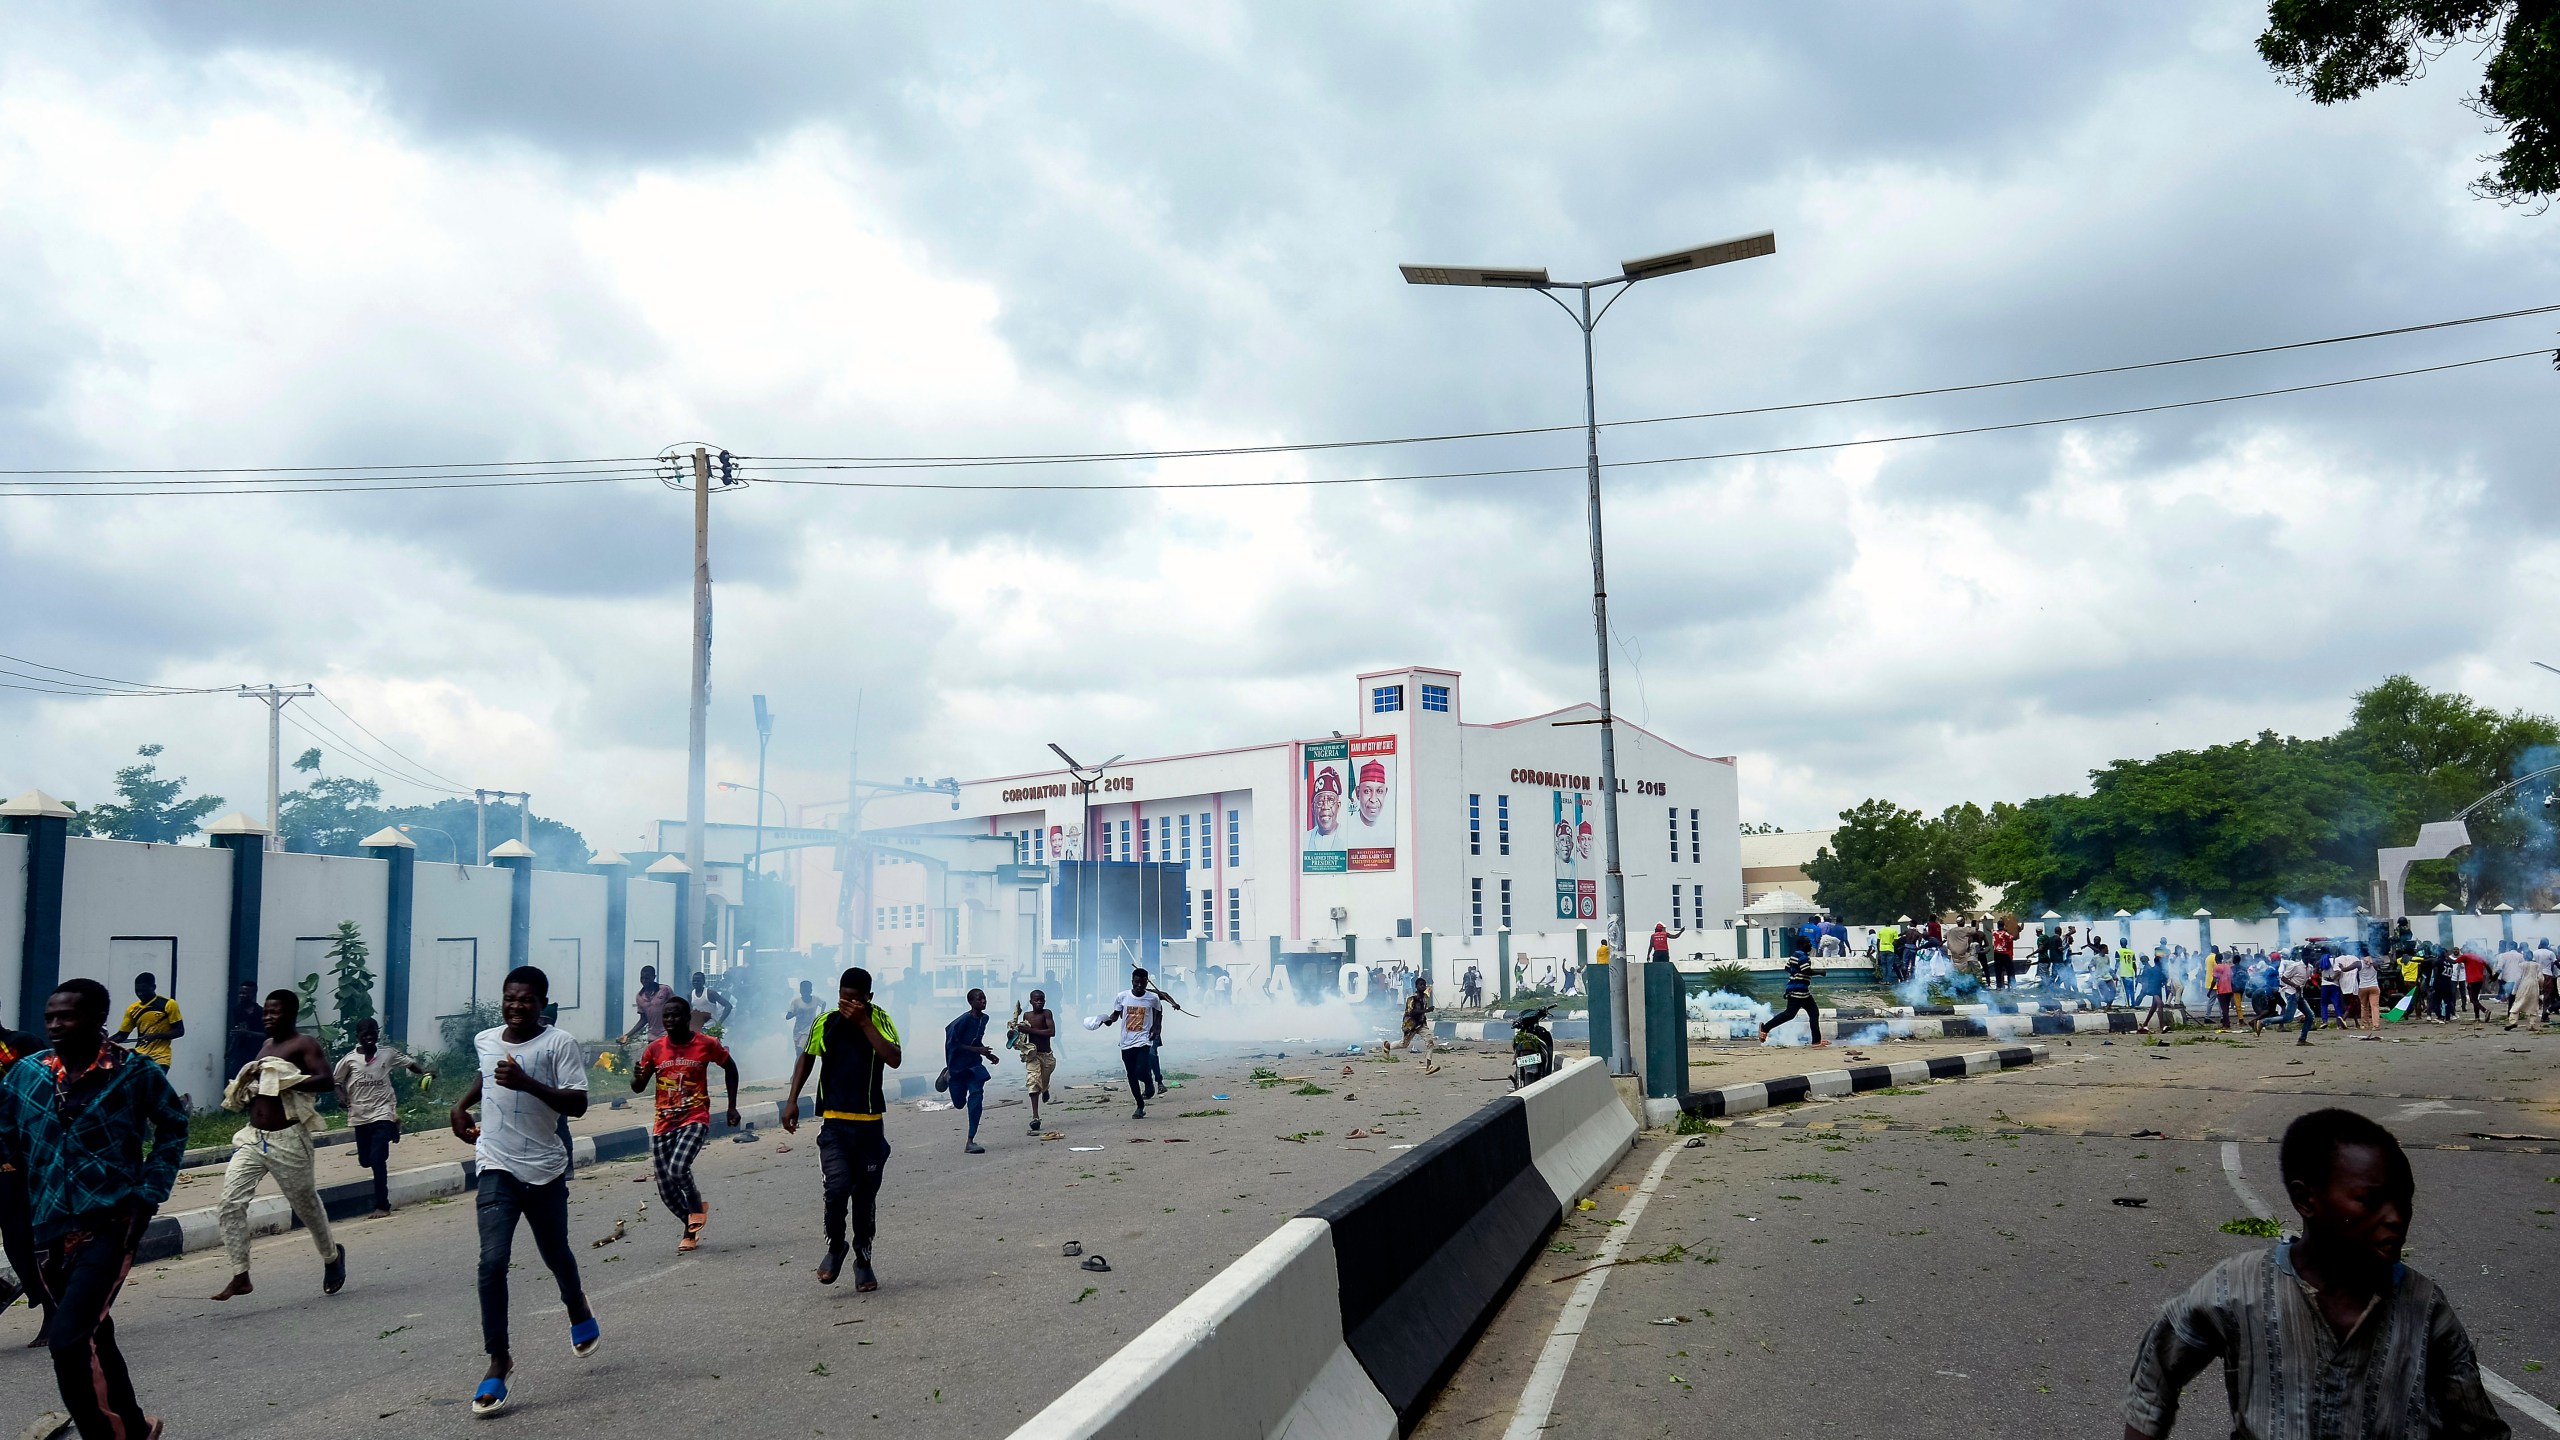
point(1097, 1264)
point(1072, 1249)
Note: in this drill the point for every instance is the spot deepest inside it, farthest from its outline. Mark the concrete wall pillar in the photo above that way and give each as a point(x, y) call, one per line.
point(617, 932)
point(1502, 966)
point(46, 822)
point(399, 926)
point(516, 858)
point(246, 839)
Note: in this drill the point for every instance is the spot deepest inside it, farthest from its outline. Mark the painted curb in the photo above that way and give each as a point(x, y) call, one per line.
point(1789, 1089)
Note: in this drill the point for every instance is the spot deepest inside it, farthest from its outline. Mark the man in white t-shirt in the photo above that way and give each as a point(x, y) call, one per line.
point(532, 1077)
point(1137, 1011)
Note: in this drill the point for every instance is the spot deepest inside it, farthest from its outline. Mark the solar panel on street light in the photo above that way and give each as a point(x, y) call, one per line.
point(1699, 257)
point(1512, 279)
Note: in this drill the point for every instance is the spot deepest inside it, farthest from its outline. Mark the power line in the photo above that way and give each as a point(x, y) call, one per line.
point(331, 701)
point(938, 462)
point(139, 687)
point(1669, 459)
point(331, 739)
point(62, 482)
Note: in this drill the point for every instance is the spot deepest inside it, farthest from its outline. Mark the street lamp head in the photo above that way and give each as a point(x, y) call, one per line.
point(764, 720)
point(1699, 257)
point(1500, 279)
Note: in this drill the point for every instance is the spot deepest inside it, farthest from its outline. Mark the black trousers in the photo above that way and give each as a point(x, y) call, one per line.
point(84, 1271)
point(852, 1154)
point(1139, 1062)
point(1797, 1004)
point(18, 1237)
point(503, 1200)
point(374, 1140)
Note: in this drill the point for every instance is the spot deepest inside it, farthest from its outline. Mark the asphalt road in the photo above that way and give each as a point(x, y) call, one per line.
point(979, 1322)
point(1950, 1261)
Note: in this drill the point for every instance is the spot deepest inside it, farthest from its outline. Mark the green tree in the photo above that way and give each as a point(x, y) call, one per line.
point(349, 974)
point(330, 814)
point(1884, 861)
point(555, 846)
point(2333, 50)
point(149, 806)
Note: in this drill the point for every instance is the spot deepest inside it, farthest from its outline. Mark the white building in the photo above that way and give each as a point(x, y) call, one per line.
point(1409, 818)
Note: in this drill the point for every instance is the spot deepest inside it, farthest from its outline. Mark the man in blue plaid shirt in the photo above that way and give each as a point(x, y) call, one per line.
point(75, 1119)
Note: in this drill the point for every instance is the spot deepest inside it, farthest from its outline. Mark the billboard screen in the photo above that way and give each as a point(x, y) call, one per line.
point(1351, 796)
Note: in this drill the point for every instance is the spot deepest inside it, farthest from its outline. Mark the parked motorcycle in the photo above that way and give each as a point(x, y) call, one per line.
point(1533, 1050)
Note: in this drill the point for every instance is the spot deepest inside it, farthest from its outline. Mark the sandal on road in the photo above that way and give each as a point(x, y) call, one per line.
point(490, 1398)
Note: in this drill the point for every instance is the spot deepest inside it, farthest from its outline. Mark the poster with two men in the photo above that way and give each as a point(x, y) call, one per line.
point(1350, 821)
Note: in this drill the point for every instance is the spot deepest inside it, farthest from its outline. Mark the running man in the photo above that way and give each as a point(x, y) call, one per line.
point(276, 1087)
point(644, 1007)
point(1136, 1011)
point(965, 1058)
point(704, 997)
point(17, 1224)
point(151, 1021)
point(532, 1076)
point(1039, 1030)
point(74, 1120)
point(373, 1105)
point(852, 1048)
point(1799, 997)
point(802, 1012)
point(681, 1062)
point(2319, 1331)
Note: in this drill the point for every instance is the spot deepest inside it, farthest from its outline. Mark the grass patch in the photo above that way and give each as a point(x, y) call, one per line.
point(1668, 1255)
point(1692, 1125)
point(1301, 1138)
point(1955, 1132)
point(1311, 1088)
point(2253, 1225)
point(1089, 1292)
point(1894, 1090)
point(1815, 1176)
point(1200, 1114)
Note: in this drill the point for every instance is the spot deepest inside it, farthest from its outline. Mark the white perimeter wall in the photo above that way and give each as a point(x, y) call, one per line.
point(568, 943)
point(303, 898)
point(114, 889)
point(458, 921)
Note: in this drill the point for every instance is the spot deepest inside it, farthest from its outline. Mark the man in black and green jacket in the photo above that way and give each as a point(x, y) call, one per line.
point(76, 1119)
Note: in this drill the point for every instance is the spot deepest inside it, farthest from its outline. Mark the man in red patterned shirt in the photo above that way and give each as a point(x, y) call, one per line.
point(680, 1061)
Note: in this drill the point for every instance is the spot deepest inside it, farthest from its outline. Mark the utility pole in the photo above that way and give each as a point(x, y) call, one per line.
point(524, 819)
point(277, 697)
point(755, 862)
point(697, 759)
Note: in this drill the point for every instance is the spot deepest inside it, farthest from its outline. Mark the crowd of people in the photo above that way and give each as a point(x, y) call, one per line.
point(2339, 983)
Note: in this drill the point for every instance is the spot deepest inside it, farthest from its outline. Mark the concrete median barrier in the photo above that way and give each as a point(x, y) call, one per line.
point(1819, 1084)
point(1348, 1319)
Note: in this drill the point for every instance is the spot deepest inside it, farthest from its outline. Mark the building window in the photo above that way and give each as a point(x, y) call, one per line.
point(1698, 904)
point(1475, 824)
point(1146, 841)
point(1385, 699)
point(1675, 909)
point(1186, 837)
point(1475, 905)
point(1208, 921)
point(1675, 835)
point(1208, 841)
point(1235, 839)
point(1436, 697)
point(1124, 842)
point(1693, 837)
point(1039, 845)
point(1235, 914)
point(1164, 838)
point(1502, 823)
point(1506, 904)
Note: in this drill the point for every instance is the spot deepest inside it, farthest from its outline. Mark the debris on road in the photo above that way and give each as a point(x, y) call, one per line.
point(1097, 1264)
point(1072, 1249)
point(2133, 1202)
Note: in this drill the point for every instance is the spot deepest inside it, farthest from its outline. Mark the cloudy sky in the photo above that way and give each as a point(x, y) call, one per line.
point(260, 235)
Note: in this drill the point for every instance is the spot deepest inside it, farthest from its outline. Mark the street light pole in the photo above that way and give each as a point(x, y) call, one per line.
point(755, 865)
point(1614, 899)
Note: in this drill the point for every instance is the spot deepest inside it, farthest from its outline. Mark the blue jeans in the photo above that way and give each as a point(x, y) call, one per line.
point(503, 1200)
point(2295, 1003)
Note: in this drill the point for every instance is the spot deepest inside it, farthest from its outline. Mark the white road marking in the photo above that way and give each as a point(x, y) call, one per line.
point(1546, 1378)
point(2523, 1402)
point(556, 1308)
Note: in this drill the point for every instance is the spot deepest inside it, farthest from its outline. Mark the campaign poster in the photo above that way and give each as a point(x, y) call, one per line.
point(1323, 842)
point(1350, 820)
point(1369, 821)
point(1577, 881)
